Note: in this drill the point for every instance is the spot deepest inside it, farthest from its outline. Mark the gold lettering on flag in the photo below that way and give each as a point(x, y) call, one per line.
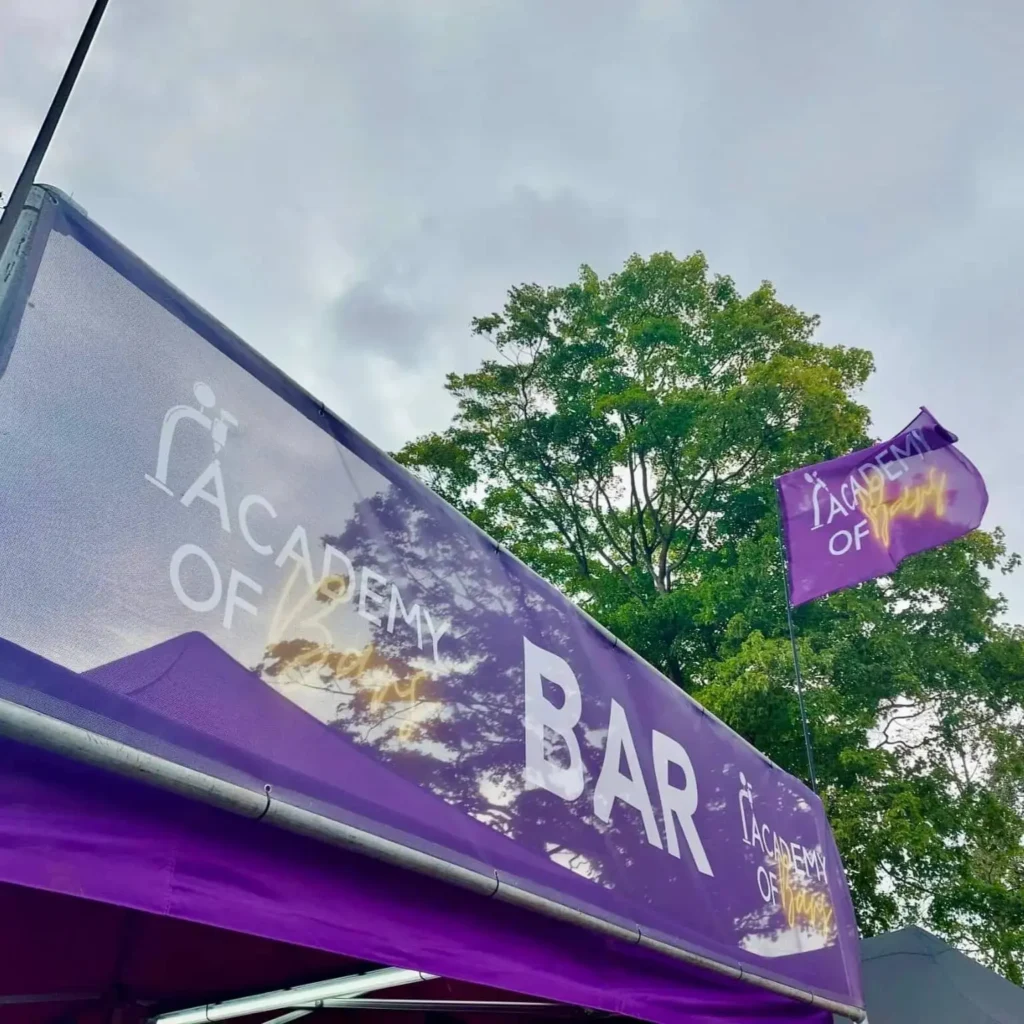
point(912, 502)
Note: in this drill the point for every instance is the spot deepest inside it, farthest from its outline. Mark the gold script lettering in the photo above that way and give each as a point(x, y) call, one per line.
point(812, 908)
point(912, 502)
point(320, 601)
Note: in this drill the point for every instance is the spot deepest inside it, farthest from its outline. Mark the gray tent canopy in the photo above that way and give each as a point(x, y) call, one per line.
point(913, 977)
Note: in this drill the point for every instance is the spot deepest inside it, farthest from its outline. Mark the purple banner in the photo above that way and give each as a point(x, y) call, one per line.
point(857, 517)
point(237, 580)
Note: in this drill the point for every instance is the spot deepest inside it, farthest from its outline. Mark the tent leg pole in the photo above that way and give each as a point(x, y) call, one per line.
point(299, 999)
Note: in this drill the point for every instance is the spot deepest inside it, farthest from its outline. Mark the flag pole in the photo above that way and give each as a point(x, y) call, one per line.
point(796, 655)
point(26, 179)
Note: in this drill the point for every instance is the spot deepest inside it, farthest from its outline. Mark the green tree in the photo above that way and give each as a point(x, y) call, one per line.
point(623, 442)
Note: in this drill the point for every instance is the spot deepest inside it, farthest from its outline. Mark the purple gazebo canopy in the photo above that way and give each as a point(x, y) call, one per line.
point(211, 583)
point(80, 847)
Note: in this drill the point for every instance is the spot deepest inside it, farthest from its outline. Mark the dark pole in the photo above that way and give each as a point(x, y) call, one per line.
point(796, 659)
point(800, 696)
point(27, 178)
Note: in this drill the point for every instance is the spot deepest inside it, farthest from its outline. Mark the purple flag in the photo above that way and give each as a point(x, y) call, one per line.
point(857, 517)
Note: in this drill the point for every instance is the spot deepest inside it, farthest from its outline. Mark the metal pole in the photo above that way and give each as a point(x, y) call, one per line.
point(812, 775)
point(35, 157)
point(440, 1005)
point(800, 696)
point(300, 997)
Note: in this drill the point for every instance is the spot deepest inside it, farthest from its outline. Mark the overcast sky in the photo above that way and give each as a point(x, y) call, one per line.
point(346, 183)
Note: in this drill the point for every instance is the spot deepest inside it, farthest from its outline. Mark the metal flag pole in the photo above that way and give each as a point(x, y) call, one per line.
point(796, 655)
point(27, 178)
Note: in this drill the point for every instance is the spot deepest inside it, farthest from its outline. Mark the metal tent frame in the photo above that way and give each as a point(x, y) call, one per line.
point(302, 999)
point(339, 994)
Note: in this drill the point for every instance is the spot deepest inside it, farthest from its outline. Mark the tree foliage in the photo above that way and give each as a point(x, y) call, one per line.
point(623, 441)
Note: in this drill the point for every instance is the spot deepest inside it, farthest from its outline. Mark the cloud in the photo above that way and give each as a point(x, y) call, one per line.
point(402, 327)
point(347, 186)
point(370, 319)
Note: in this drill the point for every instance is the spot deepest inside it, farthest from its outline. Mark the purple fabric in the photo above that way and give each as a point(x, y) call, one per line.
point(159, 692)
point(230, 715)
point(271, 600)
point(69, 828)
point(858, 516)
point(100, 963)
